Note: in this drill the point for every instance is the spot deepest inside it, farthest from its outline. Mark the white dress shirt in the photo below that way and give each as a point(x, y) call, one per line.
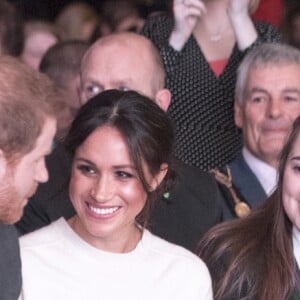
point(296, 244)
point(266, 174)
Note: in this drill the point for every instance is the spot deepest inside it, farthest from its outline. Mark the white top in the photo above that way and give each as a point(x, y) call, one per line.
point(296, 245)
point(266, 174)
point(58, 264)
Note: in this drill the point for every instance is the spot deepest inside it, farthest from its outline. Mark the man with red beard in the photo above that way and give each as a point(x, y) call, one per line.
point(28, 109)
point(267, 101)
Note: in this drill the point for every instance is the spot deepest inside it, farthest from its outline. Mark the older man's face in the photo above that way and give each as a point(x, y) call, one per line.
point(271, 106)
point(115, 67)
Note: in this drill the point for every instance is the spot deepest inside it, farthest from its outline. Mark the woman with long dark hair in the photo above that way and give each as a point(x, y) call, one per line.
point(258, 257)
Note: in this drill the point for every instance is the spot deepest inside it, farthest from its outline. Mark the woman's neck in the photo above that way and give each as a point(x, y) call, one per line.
point(216, 17)
point(121, 243)
point(211, 30)
point(216, 6)
point(215, 28)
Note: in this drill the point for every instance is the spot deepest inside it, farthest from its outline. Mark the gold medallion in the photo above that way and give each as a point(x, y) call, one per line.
point(242, 209)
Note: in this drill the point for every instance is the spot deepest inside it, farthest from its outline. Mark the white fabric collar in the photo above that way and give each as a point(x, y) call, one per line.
point(266, 174)
point(296, 244)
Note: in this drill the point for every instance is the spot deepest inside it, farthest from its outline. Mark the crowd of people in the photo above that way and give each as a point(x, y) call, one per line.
point(168, 149)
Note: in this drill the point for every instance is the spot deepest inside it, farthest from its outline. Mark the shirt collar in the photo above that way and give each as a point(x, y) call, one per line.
point(296, 244)
point(266, 174)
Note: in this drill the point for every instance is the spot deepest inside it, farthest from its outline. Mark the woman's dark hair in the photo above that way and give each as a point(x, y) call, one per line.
point(252, 258)
point(145, 127)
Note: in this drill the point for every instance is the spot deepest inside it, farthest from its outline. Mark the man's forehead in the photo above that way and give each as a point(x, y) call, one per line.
point(267, 73)
point(113, 66)
point(114, 80)
point(117, 53)
point(120, 65)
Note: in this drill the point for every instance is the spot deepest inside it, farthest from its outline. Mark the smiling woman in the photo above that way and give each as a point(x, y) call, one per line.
point(121, 143)
point(107, 192)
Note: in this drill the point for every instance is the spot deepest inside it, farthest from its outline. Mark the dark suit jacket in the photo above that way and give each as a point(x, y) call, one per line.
point(246, 185)
point(10, 263)
point(193, 207)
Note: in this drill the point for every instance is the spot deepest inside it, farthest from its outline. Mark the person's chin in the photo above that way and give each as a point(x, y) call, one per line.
point(274, 143)
point(32, 191)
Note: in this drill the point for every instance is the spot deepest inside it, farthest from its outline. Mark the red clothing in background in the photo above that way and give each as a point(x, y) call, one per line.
point(269, 11)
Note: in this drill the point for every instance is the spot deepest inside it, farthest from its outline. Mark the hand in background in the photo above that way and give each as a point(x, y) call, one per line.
point(186, 14)
point(242, 24)
point(239, 7)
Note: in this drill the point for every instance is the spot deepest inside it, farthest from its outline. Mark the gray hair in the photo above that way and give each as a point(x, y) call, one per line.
point(266, 54)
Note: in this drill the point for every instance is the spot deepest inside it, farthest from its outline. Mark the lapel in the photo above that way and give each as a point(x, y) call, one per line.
point(246, 182)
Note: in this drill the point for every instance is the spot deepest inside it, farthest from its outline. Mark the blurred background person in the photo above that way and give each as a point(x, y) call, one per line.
point(121, 15)
point(11, 30)
point(77, 21)
point(61, 63)
point(291, 25)
point(39, 37)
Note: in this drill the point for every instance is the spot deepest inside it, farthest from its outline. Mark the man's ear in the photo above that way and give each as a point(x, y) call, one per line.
point(163, 99)
point(3, 165)
point(158, 178)
point(238, 114)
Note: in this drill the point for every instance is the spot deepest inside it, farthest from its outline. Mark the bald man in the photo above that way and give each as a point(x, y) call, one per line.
point(124, 61)
point(128, 61)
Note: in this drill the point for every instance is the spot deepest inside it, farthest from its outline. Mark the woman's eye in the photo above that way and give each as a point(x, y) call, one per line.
point(123, 175)
point(85, 169)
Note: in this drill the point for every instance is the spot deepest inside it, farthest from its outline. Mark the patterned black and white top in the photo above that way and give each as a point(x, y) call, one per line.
point(202, 104)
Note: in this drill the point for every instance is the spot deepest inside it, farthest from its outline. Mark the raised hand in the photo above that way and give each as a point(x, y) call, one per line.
point(186, 15)
point(242, 24)
point(239, 7)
